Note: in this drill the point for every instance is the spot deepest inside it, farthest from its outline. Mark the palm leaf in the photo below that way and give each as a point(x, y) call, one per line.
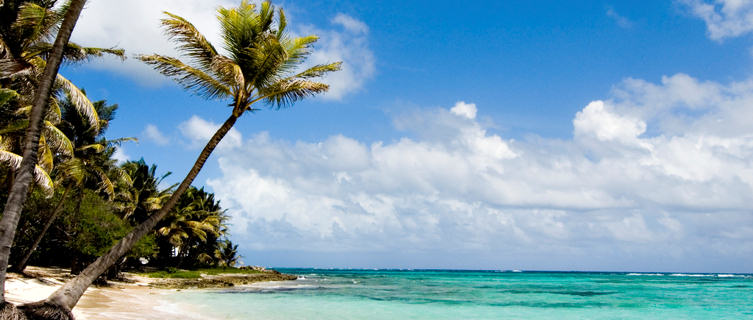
point(6, 95)
point(190, 78)
point(41, 177)
point(74, 52)
point(79, 100)
point(105, 184)
point(16, 126)
point(35, 22)
point(71, 170)
point(46, 160)
point(57, 140)
point(228, 71)
point(191, 41)
point(95, 146)
point(287, 91)
point(319, 70)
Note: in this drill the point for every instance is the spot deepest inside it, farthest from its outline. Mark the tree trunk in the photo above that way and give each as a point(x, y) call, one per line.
point(68, 295)
point(55, 213)
point(25, 173)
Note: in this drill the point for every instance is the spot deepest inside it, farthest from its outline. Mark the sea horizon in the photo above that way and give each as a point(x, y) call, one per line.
point(481, 294)
point(664, 272)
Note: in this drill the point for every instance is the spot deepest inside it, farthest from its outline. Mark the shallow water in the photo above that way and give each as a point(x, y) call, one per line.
point(427, 294)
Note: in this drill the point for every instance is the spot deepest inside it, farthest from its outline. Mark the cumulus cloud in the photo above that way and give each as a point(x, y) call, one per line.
point(467, 110)
point(347, 42)
point(652, 169)
point(724, 18)
point(110, 24)
point(153, 133)
point(198, 132)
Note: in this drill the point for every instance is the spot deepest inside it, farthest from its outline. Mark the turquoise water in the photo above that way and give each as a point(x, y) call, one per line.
point(384, 294)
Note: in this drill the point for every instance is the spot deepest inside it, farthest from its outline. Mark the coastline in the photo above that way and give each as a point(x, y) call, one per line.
point(137, 297)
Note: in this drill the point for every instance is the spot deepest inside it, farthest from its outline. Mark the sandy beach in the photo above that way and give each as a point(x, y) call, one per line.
point(119, 301)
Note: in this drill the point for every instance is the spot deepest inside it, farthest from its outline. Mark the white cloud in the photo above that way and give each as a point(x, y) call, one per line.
point(649, 170)
point(724, 18)
point(135, 26)
point(120, 155)
point(111, 24)
point(467, 110)
point(621, 21)
point(351, 24)
point(606, 125)
point(349, 45)
point(153, 133)
point(198, 132)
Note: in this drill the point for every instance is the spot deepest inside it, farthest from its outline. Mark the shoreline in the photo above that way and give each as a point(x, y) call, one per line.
point(138, 297)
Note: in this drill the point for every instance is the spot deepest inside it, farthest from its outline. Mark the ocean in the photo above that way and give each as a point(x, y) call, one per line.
point(445, 294)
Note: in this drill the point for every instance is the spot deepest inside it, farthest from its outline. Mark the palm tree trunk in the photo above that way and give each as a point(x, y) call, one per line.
point(68, 295)
point(25, 173)
point(55, 213)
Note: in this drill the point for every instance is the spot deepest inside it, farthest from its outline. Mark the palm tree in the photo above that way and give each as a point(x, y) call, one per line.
point(143, 197)
point(227, 254)
point(89, 164)
point(260, 66)
point(25, 173)
point(195, 221)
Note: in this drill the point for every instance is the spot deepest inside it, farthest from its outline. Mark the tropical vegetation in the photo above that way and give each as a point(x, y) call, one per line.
point(67, 202)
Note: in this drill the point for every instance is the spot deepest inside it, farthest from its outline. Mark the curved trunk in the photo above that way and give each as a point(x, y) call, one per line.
point(25, 174)
point(68, 295)
point(55, 213)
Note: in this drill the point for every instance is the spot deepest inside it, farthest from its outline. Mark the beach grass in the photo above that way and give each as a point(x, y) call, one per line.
point(195, 274)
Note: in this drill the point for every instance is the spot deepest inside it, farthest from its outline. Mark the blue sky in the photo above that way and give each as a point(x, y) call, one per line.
point(589, 135)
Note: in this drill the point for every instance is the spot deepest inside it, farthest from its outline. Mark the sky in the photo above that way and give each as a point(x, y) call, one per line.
point(533, 135)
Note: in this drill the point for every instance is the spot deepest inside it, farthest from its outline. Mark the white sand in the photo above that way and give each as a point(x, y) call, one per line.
point(122, 301)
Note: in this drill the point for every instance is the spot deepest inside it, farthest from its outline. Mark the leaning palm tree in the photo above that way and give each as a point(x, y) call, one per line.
point(260, 65)
point(18, 193)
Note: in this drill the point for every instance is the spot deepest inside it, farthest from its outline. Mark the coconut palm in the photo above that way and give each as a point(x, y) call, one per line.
point(142, 197)
point(89, 163)
point(25, 173)
point(227, 254)
point(259, 65)
point(191, 230)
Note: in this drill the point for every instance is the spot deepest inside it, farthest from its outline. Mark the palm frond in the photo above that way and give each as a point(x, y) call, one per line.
point(190, 78)
point(41, 177)
point(72, 170)
point(227, 70)
point(287, 91)
point(6, 95)
point(45, 160)
point(10, 67)
point(57, 140)
point(16, 126)
point(94, 146)
point(297, 50)
point(319, 70)
point(282, 23)
point(74, 52)
point(54, 114)
point(105, 184)
point(35, 23)
point(192, 42)
point(79, 100)
point(119, 141)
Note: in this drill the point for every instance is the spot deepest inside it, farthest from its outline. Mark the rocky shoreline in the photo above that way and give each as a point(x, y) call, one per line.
point(220, 280)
